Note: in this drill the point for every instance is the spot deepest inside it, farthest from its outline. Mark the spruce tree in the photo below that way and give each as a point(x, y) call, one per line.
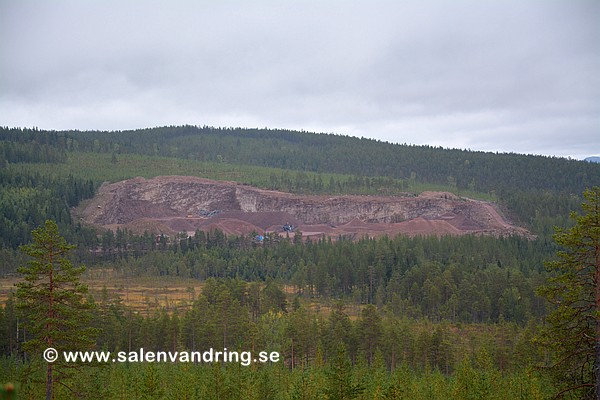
point(573, 330)
point(341, 383)
point(54, 305)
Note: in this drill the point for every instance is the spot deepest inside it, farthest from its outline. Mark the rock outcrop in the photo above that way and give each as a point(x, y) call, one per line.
point(178, 203)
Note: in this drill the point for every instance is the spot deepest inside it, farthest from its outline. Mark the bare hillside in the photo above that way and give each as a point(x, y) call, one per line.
point(171, 204)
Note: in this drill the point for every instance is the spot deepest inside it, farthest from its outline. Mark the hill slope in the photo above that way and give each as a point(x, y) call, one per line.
point(171, 204)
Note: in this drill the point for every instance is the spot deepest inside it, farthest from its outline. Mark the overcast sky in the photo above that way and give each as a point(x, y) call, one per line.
point(520, 76)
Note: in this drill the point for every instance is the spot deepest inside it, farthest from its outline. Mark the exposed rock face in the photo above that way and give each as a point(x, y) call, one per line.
point(189, 203)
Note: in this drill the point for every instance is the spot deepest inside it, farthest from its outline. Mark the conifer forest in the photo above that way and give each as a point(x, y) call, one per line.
point(293, 317)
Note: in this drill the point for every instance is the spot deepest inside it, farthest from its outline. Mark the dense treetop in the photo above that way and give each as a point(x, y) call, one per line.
point(459, 309)
point(481, 171)
point(537, 191)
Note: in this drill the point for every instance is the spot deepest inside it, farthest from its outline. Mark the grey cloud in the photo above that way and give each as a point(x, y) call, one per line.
point(497, 75)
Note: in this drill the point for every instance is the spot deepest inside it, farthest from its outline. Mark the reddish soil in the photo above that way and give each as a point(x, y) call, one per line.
point(172, 204)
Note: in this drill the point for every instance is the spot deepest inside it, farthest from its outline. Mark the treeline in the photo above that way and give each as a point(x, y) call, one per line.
point(431, 317)
point(541, 211)
point(466, 279)
point(321, 354)
point(28, 199)
point(14, 152)
point(32, 145)
point(340, 380)
point(300, 182)
point(519, 181)
point(460, 279)
point(475, 170)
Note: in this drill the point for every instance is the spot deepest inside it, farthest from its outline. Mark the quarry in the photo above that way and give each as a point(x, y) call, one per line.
point(173, 204)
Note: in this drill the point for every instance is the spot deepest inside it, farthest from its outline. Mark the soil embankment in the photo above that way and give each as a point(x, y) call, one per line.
point(172, 204)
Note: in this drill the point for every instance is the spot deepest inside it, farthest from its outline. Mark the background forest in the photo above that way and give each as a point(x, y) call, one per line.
point(422, 317)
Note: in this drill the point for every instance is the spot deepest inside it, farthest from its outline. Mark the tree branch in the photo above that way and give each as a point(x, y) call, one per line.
point(562, 392)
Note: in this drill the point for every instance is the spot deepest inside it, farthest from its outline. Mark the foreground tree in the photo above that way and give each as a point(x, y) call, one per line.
point(53, 301)
point(573, 331)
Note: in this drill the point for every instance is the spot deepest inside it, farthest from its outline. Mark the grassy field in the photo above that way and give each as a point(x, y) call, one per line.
point(143, 294)
point(150, 294)
point(100, 168)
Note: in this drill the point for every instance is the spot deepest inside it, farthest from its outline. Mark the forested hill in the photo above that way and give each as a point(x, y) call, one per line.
point(473, 170)
point(44, 173)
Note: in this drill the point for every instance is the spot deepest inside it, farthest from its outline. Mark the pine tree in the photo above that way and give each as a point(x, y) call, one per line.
point(53, 301)
point(341, 384)
point(573, 331)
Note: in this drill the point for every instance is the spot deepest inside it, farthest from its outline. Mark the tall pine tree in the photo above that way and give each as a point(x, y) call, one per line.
point(573, 331)
point(53, 301)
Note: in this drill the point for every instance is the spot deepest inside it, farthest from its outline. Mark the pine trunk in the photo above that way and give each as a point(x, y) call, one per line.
point(49, 382)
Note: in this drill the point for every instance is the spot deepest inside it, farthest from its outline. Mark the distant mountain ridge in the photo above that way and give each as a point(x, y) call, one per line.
point(499, 173)
point(595, 159)
point(537, 191)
